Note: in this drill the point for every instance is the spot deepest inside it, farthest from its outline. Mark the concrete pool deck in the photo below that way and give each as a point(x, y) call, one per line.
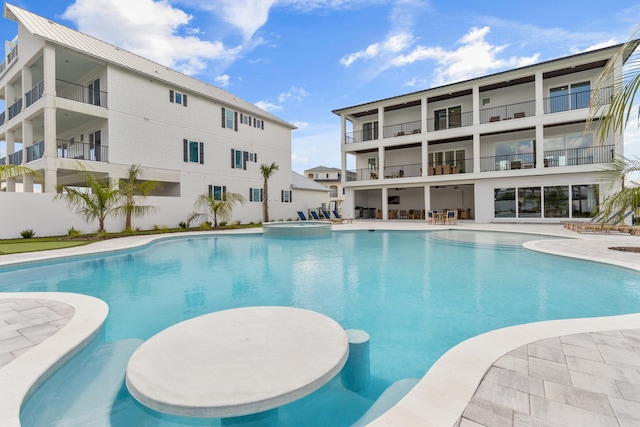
point(556, 373)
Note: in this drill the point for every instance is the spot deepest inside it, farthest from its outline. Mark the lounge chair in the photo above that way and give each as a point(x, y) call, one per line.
point(314, 215)
point(325, 214)
point(342, 220)
point(301, 216)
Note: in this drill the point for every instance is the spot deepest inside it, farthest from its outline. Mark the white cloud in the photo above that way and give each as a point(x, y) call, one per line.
point(301, 125)
point(151, 29)
point(393, 44)
point(268, 106)
point(601, 45)
point(222, 81)
point(315, 146)
point(475, 57)
point(295, 93)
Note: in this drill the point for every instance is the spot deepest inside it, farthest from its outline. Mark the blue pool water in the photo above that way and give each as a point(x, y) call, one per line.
point(416, 294)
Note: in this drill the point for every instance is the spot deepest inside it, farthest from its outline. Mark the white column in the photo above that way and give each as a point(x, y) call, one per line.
point(50, 151)
point(11, 139)
point(27, 141)
point(427, 199)
point(475, 95)
point(380, 122)
point(27, 81)
point(539, 146)
point(476, 153)
point(49, 70)
point(539, 88)
point(425, 157)
point(385, 204)
point(424, 111)
point(380, 162)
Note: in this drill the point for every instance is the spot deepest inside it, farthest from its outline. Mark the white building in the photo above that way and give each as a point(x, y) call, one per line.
point(75, 101)
point(510, 146)
point(332, 178)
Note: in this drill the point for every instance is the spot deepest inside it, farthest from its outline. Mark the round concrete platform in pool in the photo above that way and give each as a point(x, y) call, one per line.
point(296, 229)
point(237, 362)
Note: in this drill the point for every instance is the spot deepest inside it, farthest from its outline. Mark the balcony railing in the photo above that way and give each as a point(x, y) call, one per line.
point(15, 158)
point(575, 101)
point(409, 128)
point(35, 151)
point(34, 94)
point(450, 121)
point(10, 57)
point(3, 117)
point(579, 156)
point(403, 171)
point(80, 93)
point(507, 112)
point(451, 167)
point(360, 135)
point(15, 108)
point(508, 162)
point(82, 151)
point(333, 194)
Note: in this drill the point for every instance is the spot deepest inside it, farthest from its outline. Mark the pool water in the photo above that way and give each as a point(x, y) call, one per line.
point(416, 294)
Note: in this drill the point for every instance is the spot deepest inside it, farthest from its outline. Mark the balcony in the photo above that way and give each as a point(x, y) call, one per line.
point(578, 100)
point(35, 151)
point(579, 156)
point(450, 121)
point(403, 171)
point(8, 60)
point(3, 160)
point(508, 162)
point(409, 128)
point(84, 94)
point(82, 151)
point(3, 117)
point(451, 167)
point(15, 158)
point(508, 112)
point(34, 94)
point(15, 108)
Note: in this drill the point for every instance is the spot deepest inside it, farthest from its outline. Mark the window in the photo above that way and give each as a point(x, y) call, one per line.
point(244, 119)
point(372, 164)
point(94, 92)
point(285, 196)
point(217, 191)
point(448, 118)
point(574, 96)
point(505, 202)
point(193, 151)
point(239, 158)
point(177, 98)
point(451, 158)
point(229, 119)
point(584, 200)
point(369, 131)
point(571, 149)
point(95, 146)
point(257, 123)
point(556, 201)
point(255, 195)
point(529, 202)
point(522, 151)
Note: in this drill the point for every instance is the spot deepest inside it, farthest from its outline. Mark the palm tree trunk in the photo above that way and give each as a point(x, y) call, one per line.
point(265, 201)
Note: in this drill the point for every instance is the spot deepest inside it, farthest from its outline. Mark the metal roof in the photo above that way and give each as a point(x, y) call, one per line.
point(88, 45)
point(300, 182)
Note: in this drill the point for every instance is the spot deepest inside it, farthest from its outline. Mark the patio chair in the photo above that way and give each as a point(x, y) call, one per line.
point(325, 214)
point(452, 217)
point(314, 215)
point(301, 216)
point(431, 218)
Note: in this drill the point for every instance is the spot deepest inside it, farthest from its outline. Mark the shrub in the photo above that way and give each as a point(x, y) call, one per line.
point(223, 223)
point(205, 225)
point(28, 233)
point(72, 232)
point(238, 221)
point(183, 225)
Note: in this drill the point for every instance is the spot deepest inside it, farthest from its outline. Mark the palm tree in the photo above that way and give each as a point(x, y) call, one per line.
point(97, 201)
point(611, 105)
point(11, 171)
point(132, 186)
point(217, 209)
point(267, 171)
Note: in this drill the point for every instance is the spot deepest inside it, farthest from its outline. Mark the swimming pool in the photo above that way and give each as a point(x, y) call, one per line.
point(416, 293)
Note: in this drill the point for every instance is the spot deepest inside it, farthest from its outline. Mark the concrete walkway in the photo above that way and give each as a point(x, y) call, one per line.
point(575, 372)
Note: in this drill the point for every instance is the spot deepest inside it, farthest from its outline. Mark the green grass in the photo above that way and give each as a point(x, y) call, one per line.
point(15, 246)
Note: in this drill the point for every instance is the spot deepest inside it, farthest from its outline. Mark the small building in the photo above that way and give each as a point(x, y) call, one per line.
point(309, 195)
point(332, 178)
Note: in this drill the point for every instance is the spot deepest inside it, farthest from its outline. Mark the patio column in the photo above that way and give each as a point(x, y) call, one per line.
point(380, 123)
point(380, 162)
point(27, 141)
point(539, 146)
point(50, 151)
point(476, 153)
point(385, 204)
point(427, 199)
point(425, 157)
point(49, 70)
point(475, 96)
point(11, 139)
point(539, 88)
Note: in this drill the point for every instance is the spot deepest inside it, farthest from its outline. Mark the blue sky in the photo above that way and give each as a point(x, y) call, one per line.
point(300, 59)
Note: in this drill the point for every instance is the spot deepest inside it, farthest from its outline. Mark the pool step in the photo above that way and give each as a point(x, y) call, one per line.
point(389, 398)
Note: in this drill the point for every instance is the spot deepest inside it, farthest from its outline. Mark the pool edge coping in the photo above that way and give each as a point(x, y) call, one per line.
point(23, 375)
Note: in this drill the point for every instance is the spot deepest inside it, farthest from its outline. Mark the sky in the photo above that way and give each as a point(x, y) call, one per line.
point(301, 59)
